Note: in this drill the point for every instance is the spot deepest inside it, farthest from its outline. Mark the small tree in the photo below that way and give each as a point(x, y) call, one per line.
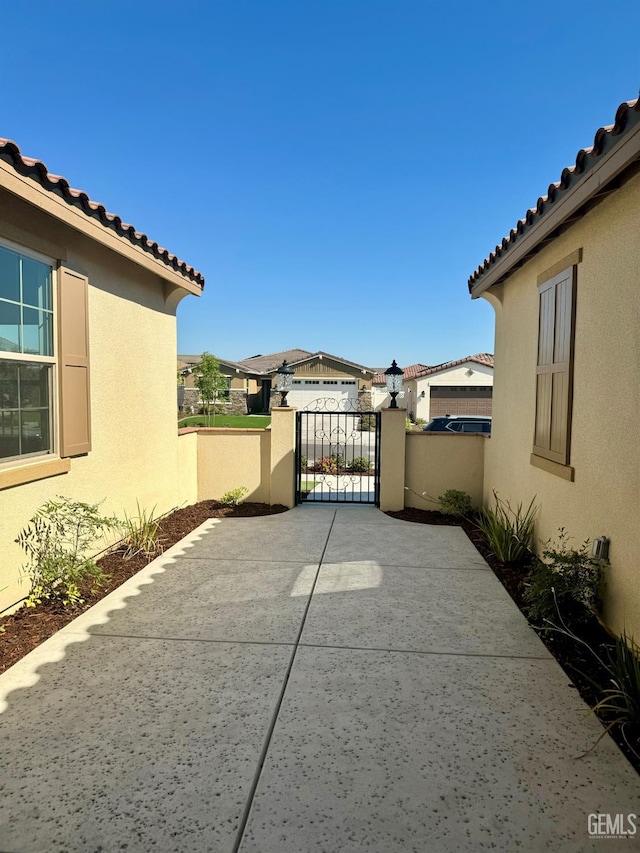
point(210, 382)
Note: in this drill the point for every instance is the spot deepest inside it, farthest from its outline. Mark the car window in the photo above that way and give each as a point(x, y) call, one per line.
point(475, 426)
point(455, 426)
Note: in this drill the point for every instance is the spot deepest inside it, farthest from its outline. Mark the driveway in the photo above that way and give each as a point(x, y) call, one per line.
point(329, 679)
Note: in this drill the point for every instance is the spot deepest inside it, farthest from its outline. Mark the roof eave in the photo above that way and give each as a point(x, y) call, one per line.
point(53, 204)
point(593, 183)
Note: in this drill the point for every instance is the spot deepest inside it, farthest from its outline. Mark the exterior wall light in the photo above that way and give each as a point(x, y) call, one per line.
point(284, 377)
point(393, 376)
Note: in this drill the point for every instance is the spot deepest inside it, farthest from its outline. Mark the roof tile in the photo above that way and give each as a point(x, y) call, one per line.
point(36, 170)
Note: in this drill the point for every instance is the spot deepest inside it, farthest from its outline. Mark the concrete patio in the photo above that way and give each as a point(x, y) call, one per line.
point(329, 679)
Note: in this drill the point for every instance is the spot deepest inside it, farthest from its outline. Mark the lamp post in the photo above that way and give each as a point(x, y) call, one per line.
point(393, 376)
point(284, 376)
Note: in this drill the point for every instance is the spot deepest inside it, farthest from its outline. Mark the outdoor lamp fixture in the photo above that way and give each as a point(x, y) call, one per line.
point(393, 376)
point(284, 376)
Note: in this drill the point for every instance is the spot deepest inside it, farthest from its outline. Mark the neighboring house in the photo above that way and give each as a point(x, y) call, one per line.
point(87, 357)
point(461, 387)
point(318, 376)
point(234, 399)
point(564, 286)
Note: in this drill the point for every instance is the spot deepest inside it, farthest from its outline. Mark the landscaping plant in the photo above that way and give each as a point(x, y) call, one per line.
point(508, 531)
point(234, 497)
point(211, 383)
point(455, 502)
point(57, 541)
point(360, 465)
point(331, 464)
point(618, 705)
point(367, 423)
point(565, 579)
point(141, 533)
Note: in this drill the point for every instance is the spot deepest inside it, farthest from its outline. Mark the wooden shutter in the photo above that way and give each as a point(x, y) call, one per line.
point(73, 363)
point(554, 372)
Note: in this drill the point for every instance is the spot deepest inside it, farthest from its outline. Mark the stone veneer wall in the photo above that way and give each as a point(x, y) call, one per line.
point(237, 404)
point(365, 404)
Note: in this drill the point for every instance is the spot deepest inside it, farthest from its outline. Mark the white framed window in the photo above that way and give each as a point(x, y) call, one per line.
point(27, 354)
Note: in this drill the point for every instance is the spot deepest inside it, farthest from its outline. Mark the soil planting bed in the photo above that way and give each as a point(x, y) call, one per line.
point(574, 658)
point(25, 629)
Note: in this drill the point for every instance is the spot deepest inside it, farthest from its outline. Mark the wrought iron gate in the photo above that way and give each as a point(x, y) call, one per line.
point(337, 453)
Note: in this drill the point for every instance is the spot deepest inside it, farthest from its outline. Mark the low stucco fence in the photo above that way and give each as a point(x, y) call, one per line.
point(220, 459)
point(413, 465)
point(435, 462)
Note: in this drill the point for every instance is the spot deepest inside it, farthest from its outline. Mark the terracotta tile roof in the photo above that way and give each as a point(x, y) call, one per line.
point(416, 371)
point(266, 363)
point(189, 361)
point(606, 138)
point(37, 171)
point(485, 358)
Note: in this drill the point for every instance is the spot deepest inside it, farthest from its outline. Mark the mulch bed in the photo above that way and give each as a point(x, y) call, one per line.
point(574, 658)
point(25, 629)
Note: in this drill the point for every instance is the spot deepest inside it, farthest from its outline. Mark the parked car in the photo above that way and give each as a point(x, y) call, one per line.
point(460, 423)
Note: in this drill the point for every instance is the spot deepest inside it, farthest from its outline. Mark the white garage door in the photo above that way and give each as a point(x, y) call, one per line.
point(306, 391)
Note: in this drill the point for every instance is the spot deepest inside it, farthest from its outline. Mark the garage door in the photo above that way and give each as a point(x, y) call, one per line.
point(460, 400)
point(306, 391)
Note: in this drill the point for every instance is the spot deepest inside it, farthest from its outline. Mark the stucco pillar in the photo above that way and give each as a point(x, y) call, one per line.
point(283, 445)
point(393, 434)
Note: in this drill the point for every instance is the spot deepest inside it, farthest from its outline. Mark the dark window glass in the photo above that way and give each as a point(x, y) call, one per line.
point(8, 385)
point(34, 430)
point(9, 433)
point(25, 419)
point(9, 275)
point(34, 386)
point(36, 332)
point(9, 327)
point(36, 284)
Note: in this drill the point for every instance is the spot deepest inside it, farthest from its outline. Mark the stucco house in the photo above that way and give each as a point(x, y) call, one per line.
point(252, 381)
point(564, 286)
point(87, 357)
point(460, 387)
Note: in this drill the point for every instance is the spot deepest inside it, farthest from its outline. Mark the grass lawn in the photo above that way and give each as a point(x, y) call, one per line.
point(236, 421)
point(307, 486)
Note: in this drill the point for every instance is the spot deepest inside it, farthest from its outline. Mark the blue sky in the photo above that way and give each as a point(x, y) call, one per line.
point(335, 168)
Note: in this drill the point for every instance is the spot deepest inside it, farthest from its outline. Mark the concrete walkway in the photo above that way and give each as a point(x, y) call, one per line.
point(329, 679)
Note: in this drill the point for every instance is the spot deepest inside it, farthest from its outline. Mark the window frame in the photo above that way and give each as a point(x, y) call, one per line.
point(9, 462)
point(552, 368)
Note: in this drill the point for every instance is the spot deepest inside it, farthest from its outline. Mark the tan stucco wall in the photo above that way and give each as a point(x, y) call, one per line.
point(392, 459)
point(230, 458)
point(605, 452)
point(436, 462)
point(135, 451)
point(282, 457)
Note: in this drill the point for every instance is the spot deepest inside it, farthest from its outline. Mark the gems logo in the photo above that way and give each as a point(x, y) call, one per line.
point(612, 826)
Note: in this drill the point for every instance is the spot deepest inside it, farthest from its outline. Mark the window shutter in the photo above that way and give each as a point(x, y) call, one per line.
point(73, 363)
point(554, 372)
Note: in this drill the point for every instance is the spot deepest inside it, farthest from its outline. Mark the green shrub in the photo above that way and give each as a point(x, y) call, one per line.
point(360, 465)
point(419, 422)
point(140, 534)
point(56, 541)
point(331, 464)
point(234, 497)
point(407, 424)
point(620, 703)
point(508, 531)
point(455, 502)
point(304, 462)
point(565, 580)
